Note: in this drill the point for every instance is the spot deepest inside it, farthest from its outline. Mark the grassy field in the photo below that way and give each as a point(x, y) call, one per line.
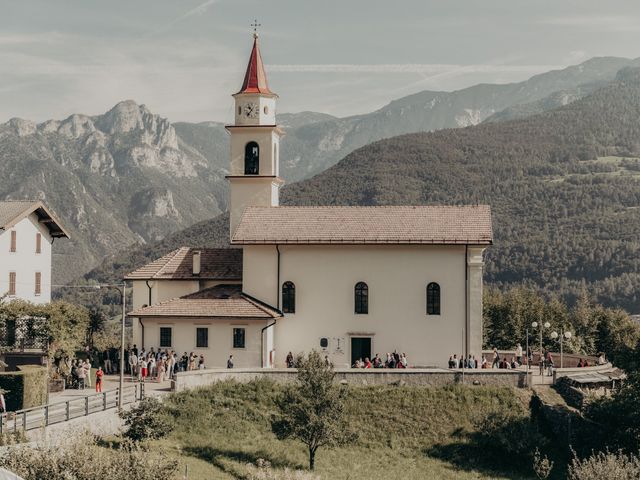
point(404, 432)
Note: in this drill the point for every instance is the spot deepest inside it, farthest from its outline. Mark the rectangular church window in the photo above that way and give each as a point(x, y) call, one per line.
point(238, 338)
point(202, 337)
point(165, 336)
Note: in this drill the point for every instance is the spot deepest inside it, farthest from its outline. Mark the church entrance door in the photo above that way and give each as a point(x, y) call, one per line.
point(360, 348)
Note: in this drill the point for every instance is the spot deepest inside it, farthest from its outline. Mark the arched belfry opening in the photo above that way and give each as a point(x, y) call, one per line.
point(251, 159)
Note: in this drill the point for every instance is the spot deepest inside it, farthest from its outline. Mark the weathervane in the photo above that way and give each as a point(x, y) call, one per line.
point(255, 26)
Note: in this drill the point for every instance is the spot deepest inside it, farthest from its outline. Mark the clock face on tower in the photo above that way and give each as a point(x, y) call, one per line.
point(251, 110)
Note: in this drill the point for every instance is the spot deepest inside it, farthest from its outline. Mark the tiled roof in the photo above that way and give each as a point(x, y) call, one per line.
point(255, 78)
point(215, 264)
point(365, 225)
point(221, 301)
point(12, 211)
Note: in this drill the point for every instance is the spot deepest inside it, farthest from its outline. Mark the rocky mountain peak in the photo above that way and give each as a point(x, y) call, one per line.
point(128, 117)
point(22, 127)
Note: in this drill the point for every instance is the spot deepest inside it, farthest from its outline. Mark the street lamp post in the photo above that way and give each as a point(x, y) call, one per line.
point(542, 326)
point(563, 334)
point(122, 290)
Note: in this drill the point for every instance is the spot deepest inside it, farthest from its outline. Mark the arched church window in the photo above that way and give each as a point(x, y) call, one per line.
point(288, 297)
point(433, 299)
point(239, 110)
point(251, 158)
point(361, 298)
point(266, 110)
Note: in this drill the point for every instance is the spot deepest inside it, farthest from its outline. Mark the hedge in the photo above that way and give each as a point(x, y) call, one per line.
point(25, 388)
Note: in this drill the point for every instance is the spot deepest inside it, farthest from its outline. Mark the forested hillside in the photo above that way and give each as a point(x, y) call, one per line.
point(564, 187)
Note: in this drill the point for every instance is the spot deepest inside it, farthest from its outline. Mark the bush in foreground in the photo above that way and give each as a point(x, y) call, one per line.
point(605, 466)
point(146, 420)
point(81, 458)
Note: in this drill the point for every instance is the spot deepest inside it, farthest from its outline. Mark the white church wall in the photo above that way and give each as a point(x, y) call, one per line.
point(397, 276)
point(259, 273)
point(25, 262)
point(475, 264)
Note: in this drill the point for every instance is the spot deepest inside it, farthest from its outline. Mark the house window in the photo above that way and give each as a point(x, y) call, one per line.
point(238, 338)
point(288, 297)
point(251, 158)
point(14, 239)
point(165, 337)
point(433, 299)
point(11, 332)
point(38, 289)
point(202, 337)
point(38, 243)
point(361, 298)
point(12, 283)
point(324, 342)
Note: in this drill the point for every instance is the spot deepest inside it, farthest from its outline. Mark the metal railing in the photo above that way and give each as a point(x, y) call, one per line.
point(45, 415)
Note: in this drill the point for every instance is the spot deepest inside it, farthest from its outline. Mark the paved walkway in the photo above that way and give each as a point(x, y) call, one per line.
point(111, 382)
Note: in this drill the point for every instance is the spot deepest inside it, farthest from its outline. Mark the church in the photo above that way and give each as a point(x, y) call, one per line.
point(348, 281)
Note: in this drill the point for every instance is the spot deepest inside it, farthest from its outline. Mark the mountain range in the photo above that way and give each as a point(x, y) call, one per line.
point(564, 186)
point(130, 177)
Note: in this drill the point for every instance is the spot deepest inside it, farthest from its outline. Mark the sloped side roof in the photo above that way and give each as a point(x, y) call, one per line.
point(215, 264)
point(12, 211)
point(221, 301)
point(365, 225)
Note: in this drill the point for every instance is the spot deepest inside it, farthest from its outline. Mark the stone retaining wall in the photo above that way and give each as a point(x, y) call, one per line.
point(412, 376)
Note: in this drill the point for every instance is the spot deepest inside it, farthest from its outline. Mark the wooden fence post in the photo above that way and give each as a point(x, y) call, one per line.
point(104, 400)
point(86, 406)
point(46, 415)
point(67, 409)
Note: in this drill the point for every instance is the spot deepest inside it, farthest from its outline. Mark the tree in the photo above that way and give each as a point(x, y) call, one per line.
point(146, 420)
point(61, 325)
point(67, 327)
point(313, 409)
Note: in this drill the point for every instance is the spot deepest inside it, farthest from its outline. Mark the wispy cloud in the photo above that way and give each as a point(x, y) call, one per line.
point(410, 68)
point(199, 10)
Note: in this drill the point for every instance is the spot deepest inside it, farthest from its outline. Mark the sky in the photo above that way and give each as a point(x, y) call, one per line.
point(184, 58)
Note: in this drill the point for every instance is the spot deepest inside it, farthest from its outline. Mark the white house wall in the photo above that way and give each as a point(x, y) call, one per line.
point(25, 261)
point(220, 339)
point(162, 290)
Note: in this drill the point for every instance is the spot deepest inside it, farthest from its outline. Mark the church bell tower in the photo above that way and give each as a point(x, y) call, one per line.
point(255, 143)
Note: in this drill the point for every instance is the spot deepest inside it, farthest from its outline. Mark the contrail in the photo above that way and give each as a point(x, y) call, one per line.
point(199, 10)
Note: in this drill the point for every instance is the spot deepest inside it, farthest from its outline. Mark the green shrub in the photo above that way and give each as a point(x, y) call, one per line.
point(605, 466)
point(81, 458)
point(25, 388)
point(147, 420)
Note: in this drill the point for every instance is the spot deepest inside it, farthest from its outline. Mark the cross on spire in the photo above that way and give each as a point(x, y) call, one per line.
point(255, 26)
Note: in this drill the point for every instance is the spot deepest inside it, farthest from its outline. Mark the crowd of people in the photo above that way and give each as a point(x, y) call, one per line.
point(159, 365)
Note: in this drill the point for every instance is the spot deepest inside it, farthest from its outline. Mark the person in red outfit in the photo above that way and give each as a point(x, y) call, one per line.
point(99, 374)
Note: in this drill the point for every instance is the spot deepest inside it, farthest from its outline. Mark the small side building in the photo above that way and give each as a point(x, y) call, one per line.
point(27, 232)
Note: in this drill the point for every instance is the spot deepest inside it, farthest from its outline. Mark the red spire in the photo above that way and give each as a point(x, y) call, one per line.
point(255, 80)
